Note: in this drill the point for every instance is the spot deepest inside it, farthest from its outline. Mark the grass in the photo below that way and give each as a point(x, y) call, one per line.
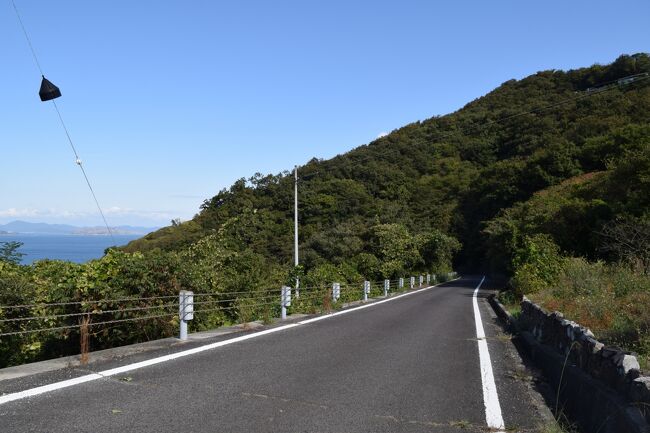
point(612, 301)
point(520, 375)
point(644, 362)
point(510, 302)
point(553, 428)
point(462, 424)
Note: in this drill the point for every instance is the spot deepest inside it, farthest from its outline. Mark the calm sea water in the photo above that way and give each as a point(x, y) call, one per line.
point(75, 248)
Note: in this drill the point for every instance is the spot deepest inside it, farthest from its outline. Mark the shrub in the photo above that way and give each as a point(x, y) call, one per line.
point(537, 264)
point(582, 278)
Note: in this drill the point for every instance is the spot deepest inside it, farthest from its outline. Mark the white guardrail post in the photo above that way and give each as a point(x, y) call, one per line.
point(366, 290)
point(285, 300)
point(386, 287)
point(336, 291)
point(421, 280)
point(428, 279)
point(400, 286)
point(185, 310)
point(412, 282)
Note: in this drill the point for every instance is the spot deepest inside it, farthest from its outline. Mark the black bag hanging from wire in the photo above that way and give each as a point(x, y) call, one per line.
point(48, 90)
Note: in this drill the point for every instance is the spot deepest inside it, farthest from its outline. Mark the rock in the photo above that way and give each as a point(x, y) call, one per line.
point(598, 346)
point(632, 374)
point(610, 352)
point(639, 393)
point(627, 364)
point(640, 389)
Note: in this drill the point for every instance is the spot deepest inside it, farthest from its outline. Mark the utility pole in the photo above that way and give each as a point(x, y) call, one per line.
point(295, 226)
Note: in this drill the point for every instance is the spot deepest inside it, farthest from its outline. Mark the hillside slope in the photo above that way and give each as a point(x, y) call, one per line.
point(440, 179)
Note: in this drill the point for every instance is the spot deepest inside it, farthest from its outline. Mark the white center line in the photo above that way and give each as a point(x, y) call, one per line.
point(129, 367)
point(493, 416)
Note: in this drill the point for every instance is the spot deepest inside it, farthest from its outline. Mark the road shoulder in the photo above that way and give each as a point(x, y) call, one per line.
point(520, 388)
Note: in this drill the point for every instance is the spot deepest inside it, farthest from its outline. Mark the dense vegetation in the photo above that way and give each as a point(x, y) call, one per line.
point(517, 182)
point(583, 247)
point(456, 177)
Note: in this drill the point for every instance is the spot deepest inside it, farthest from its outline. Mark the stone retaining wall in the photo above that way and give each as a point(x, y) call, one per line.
point(612, 366)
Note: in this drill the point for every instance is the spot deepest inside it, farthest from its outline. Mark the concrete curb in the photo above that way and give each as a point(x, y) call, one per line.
point(502, 313)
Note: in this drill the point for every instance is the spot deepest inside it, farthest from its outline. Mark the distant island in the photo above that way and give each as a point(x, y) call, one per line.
point(24, 227)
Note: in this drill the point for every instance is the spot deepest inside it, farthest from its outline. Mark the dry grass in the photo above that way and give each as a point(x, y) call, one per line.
point(611, 301)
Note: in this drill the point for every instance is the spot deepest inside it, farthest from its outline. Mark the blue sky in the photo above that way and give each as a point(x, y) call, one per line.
point(169, 101)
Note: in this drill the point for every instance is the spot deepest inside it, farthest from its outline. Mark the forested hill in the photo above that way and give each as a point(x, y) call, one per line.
point(430, 189)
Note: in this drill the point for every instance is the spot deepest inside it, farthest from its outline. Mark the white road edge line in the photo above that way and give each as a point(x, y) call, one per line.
point(130, 367)
point(493, 416)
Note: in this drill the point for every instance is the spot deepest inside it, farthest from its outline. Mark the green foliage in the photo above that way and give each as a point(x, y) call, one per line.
point(9, 252)
point(537, 264)
point(368, 265)
point(437, 251)
point(323, 276)
point(295, 275)
point(396, 251)
point(578, 277)
point(454, 175)
point(598, 151)
point(137, 280)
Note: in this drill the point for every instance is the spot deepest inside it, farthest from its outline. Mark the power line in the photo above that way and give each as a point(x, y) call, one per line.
point(74, 150)
point(80, 164)
point(29, 41)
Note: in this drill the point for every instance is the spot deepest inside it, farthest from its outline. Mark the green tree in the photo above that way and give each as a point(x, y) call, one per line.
point(537, 264)
point(396, 249)
point(437, 251)
point(9, 252)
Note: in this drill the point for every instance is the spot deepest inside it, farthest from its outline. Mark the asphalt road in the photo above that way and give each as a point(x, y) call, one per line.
point(408, 365)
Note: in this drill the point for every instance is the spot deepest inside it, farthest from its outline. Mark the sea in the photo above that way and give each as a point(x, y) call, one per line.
point(73, 248)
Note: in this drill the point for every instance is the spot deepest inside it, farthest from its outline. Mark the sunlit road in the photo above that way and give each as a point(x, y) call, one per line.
point(408, 365)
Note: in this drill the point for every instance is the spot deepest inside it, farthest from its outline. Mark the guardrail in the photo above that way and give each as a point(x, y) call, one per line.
point(158, 316)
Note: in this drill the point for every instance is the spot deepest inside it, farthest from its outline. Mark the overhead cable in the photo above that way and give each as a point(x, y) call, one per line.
point(74, 150)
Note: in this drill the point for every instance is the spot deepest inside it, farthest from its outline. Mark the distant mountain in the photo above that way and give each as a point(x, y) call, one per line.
point(23, 227)
point(119, 230)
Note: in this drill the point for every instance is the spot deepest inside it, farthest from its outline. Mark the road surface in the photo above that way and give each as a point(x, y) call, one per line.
point(411, 364)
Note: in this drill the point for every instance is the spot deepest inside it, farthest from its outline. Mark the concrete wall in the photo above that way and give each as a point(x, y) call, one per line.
point(602, 386)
